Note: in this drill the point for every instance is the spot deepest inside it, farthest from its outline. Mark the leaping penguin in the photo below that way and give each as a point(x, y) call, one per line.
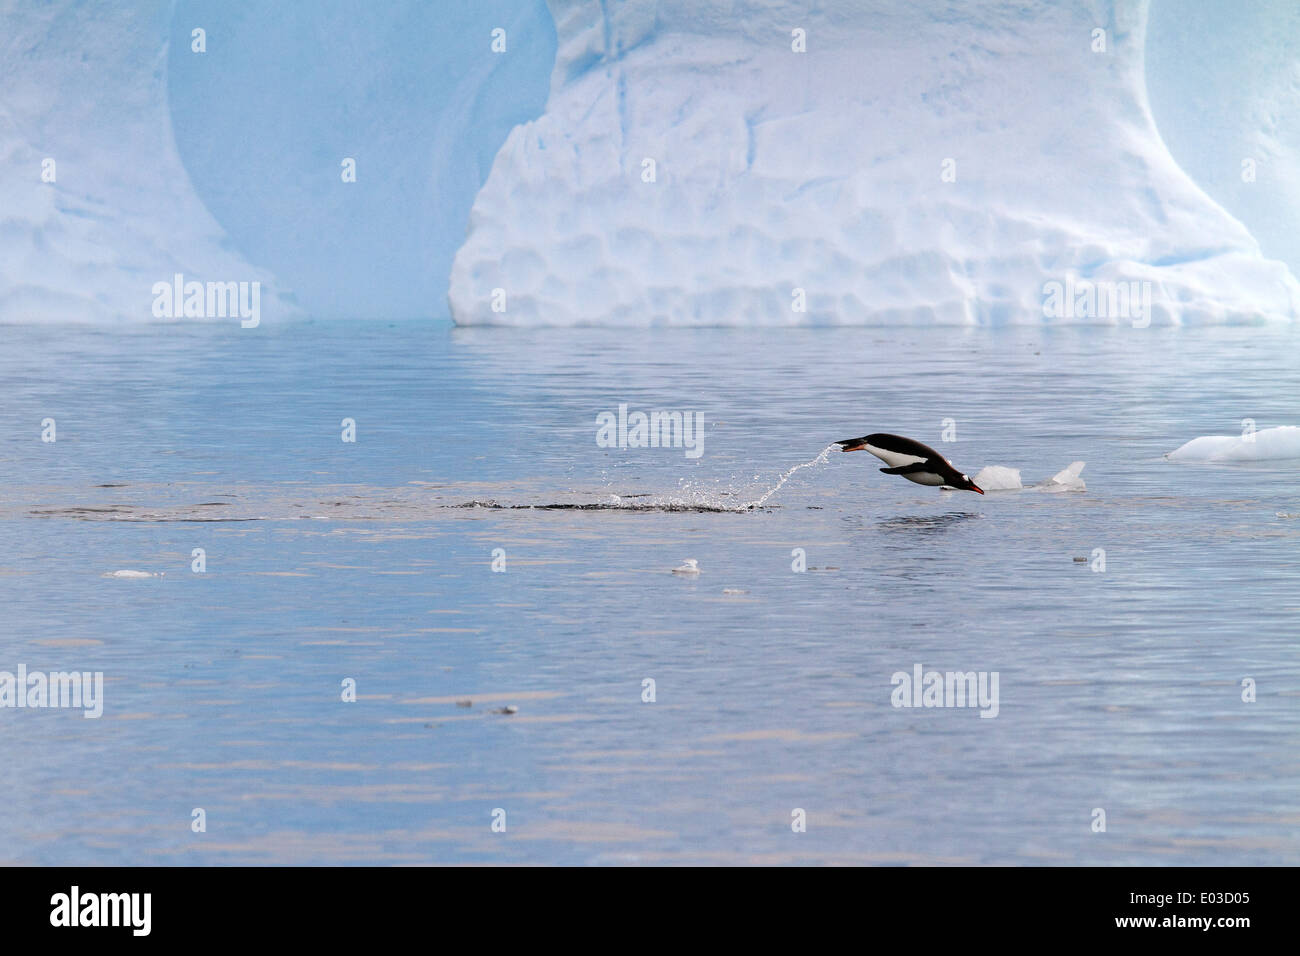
point(912, 460)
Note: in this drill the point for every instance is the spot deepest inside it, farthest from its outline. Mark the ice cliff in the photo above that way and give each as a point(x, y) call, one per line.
point(930, 162)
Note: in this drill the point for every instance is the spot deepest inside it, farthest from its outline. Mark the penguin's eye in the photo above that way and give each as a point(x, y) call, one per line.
point(964, 478)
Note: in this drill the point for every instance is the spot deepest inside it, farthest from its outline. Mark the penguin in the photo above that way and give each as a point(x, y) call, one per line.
point(912, 460)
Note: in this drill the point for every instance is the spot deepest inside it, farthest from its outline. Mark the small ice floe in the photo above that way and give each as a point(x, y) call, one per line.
point(1067, 479)
point(1288, 514)
point(689, 566)
point(134, 574)
point(1002, 478)
point(1267, 444)
point(734, 591)
point(998, 478)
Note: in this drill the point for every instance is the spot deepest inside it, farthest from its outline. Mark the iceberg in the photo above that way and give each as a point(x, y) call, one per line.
point(696, 162)
point(758, 162)
point(1268, 444)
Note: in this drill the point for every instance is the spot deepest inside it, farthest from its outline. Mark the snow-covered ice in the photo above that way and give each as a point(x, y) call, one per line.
point(1267, 444)
point(781, 176)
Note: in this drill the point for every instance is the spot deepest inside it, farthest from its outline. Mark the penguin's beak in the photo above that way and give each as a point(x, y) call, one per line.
point(976, 488)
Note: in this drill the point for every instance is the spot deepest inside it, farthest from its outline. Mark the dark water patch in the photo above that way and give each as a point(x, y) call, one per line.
point(926, 524)
point(664, 507)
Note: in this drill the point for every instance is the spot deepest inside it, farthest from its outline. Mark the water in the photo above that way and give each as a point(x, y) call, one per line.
point(372, 560)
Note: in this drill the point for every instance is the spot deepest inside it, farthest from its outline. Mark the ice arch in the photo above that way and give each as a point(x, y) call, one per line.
point(225, 165)
point(85, 87)
point(411, 90)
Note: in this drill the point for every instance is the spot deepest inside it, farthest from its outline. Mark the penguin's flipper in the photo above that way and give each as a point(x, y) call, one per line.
point(906, 469)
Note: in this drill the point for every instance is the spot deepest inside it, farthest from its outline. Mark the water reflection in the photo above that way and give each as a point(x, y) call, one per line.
point(926, 524)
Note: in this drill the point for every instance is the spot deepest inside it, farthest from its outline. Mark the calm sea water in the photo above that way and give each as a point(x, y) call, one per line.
point(329, 560)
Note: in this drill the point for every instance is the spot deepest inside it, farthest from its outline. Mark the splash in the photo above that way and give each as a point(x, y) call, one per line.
point(704, 502)
point(819, 460)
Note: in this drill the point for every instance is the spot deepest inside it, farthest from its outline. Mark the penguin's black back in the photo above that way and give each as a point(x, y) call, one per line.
point(904, 446)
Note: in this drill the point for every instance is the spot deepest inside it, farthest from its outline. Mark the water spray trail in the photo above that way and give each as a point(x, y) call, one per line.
point(819, 460)
point(699, 503)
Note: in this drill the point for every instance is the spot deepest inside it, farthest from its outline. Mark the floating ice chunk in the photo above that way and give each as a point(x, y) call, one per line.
point(133, 574)
point(689, 566)
point(1067, 479)
point(1270, 444)
point(998, 478)
point(1002, 478)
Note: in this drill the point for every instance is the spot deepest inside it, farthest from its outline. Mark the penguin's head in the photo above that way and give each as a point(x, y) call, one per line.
point(968, 485)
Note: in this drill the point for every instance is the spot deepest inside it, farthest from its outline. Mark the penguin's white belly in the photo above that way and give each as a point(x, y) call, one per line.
point(924, 478)
point(895, 459)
